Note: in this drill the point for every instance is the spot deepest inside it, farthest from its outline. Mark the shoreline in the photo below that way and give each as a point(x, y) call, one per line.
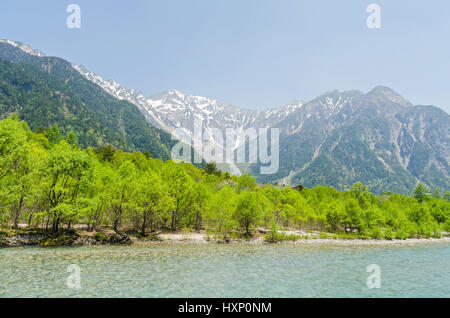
point(196, 240)
point(101, 239)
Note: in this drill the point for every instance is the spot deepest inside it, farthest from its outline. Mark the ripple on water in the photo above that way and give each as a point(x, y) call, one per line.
point(227, 271)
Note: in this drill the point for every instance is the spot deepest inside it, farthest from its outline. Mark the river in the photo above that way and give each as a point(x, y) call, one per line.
point(234, 270)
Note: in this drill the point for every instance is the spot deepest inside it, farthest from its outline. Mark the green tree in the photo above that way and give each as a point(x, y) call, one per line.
point(105, 154)
point(72, 138)
point(421, 192)
point(352, 216)
point(53, 134)
point(67, 173)
point(211, 168)
point(179, 188)
point(363, 195)
point(200, 196)
point(121, 191)
point(334, 217)
point(245, 183)
point(15, 166)
point(96, 203)
point(220, 212)
point(248, 211)
point(152, 200)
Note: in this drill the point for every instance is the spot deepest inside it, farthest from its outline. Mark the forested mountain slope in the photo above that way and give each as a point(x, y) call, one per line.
point(336, 139)
point(46, 90)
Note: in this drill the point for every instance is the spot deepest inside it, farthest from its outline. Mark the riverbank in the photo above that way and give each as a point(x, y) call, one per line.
point(202, 238)
point(40, 237)
point(43, 238)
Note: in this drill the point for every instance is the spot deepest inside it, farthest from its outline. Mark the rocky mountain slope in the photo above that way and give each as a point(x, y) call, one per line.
point(378, 138)
point(337, 139)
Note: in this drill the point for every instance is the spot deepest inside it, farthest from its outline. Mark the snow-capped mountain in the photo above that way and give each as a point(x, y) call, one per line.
point(336, 139)
point(397, 143)
point(174, 111)
point(26, 48)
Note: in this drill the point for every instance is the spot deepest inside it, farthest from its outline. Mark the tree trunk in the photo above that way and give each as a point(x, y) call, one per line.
point(55, 226)
point(198, 222)
point(173, 222)
point(29, 220)
point(144, 224)
point(17, 213)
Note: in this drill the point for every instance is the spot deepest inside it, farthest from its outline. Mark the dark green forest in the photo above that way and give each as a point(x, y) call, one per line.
point(50, 92)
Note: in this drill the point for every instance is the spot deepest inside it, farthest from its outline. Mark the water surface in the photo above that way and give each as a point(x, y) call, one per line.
point(236, 270)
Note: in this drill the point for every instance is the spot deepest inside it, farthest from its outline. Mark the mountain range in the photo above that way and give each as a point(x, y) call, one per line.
point(336, 139)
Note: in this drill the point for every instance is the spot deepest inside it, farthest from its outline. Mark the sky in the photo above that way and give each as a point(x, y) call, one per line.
point(255, 54)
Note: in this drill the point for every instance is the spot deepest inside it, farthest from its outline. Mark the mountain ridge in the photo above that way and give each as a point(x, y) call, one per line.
point(336, 139)
point(49, 91)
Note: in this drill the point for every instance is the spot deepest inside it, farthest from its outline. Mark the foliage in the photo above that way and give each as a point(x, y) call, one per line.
point(48, 181)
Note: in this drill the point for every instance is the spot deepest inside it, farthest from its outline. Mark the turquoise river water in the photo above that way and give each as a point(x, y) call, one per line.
point(234, 270)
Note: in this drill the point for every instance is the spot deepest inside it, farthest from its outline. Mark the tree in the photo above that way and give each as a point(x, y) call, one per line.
point(95, 205)
point(421, 192)
point(220, 212)
point(334, 217)
point(67, 173)
point(363, 195)
point(105, 154)
point(179, 185)
point(245, 183)
point(15, 165)
point(248, 211)
point(352, 216)
point(53, 134)
point(274, 195)
point(211, 168)
point(286, 207)
point(152, 200)
point(121, 190)
point(71, 138)
point(200, 197)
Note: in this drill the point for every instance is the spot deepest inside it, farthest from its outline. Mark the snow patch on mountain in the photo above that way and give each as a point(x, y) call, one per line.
point(174, 110)
point(26, 48)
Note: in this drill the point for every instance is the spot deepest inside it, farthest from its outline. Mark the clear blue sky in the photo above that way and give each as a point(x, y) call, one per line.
point(251, 53)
